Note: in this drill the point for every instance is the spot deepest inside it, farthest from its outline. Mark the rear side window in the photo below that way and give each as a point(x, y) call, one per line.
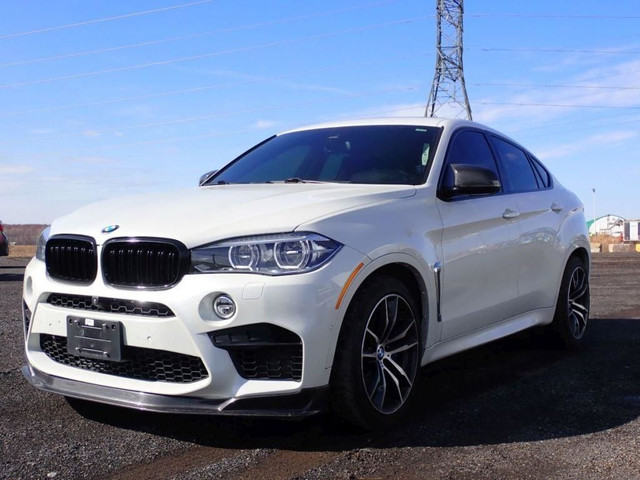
point(469, 148)
point(544, 178)
point(517, 171)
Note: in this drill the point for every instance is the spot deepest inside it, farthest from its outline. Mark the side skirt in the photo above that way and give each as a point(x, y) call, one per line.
point(502, 329)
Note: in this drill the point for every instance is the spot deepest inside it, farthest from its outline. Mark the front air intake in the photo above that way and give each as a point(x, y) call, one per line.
point(262, 351)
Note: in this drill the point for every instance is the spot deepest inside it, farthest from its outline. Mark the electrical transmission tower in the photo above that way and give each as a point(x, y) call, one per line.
point(448, 94)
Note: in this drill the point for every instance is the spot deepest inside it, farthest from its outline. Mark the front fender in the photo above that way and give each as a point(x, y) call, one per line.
point(423, 271)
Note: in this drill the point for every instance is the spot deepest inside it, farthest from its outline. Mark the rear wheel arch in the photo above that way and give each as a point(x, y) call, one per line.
point(571, 316)
point(582, 254)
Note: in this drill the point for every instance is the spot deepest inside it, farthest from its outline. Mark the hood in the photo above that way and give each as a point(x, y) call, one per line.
point(206, 214)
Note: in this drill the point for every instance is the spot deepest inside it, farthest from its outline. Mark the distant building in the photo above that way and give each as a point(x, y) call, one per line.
point(607, 225)
point(631, 231)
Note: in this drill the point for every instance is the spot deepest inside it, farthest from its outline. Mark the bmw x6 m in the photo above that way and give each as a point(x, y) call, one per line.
point(320, 269)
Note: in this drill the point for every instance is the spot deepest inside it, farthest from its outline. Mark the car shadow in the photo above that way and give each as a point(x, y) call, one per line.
point(513, 390)
point(11, 277)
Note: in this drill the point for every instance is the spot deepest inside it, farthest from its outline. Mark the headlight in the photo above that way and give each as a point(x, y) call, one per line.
point(269, 254)
point(42, 243)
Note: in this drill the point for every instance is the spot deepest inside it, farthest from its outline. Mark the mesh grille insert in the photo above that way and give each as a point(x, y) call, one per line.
point(110, 305)
point(262, 351)
point(138, 363)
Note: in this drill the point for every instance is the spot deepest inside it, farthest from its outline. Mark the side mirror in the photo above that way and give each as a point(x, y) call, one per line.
point(470, 180)
point(204, 178)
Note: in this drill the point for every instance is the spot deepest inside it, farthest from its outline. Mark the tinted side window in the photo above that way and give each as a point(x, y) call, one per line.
point(517, 171)
point(543, 175)
point(471, 148)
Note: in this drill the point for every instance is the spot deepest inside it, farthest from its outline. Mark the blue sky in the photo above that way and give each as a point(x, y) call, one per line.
point(100, 98)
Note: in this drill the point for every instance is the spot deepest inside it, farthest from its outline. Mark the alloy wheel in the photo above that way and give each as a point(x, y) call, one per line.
point(578, 302)
point(390, 353)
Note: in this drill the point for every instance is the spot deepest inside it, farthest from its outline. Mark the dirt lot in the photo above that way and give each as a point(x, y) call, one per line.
point(22, 251)
point(511, 410)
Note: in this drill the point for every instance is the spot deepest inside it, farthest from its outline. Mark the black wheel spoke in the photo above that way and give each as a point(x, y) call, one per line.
point(379, 393)
point(391, 311)
point(396, 382)
point(375, 337)
point(376, 383)
point(401, 335)
point(400, 370)
point(403, 348)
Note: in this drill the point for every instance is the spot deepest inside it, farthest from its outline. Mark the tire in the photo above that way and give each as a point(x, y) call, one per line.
point(378, 355)
point(569, 326)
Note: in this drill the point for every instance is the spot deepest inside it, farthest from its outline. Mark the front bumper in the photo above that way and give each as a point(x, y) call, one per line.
point(302, 304)
point(308, 402)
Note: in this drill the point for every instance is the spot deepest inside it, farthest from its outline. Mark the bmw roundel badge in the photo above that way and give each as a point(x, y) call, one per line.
point(110, 228)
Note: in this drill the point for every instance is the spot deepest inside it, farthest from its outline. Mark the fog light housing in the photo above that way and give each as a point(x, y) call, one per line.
point(224, 307)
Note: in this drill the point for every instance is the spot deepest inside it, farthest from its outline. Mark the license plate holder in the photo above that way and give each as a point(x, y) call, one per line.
point(97, 339)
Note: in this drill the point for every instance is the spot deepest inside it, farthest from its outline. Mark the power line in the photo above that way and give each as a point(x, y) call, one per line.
point(533, 15)
point(543, 85)
point(101, 20)
point(553, 50)
point(225, 114)
point(561, 105)
point(214, 54)
point(582, 122)
point(259, 80)
point(198, 118)
point(194, 35)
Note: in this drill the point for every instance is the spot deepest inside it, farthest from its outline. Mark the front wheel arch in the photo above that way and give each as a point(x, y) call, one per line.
point(361, 368)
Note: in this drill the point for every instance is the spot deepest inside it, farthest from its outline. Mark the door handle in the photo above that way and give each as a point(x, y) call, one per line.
point(509, 214)
point(556, 207)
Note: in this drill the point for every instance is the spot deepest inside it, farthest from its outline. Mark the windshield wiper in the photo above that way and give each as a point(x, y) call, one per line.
point(292, 180)
point(302, 180)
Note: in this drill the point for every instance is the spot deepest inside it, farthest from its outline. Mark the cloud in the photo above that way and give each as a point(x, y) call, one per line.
point(16, 169)
point(587, 95)
point(41, 131)
point(392, 110)
point(244, 79)
point(13, 178)
point(92, 160)
point(604, 140)
point(264, 124)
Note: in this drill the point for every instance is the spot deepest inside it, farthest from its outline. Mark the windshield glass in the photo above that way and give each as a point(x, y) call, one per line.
point(382, 154)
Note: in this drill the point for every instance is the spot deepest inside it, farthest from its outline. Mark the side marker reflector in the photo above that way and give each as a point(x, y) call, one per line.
point(347, 284)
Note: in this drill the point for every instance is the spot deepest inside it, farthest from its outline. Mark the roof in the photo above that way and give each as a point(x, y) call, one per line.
point(417, 121)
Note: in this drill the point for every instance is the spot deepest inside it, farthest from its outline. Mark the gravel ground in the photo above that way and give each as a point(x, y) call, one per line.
point(514, 409)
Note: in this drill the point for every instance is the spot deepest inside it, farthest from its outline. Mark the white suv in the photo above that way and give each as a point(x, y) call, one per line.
point(321, 268)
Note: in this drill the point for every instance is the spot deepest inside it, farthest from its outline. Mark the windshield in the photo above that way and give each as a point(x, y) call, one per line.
point(381, 154)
